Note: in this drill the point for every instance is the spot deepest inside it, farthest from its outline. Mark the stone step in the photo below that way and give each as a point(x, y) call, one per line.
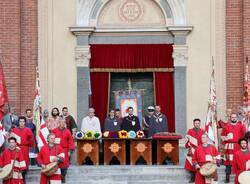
point(124, 175)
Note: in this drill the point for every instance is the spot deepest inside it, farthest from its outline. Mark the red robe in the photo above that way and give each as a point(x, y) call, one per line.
point(203, 155)
point(45, 156)
point(8, 156)
point(25, 139)
point(241, 163)
point(194, 140)
point(230, 135)
point(65, 140)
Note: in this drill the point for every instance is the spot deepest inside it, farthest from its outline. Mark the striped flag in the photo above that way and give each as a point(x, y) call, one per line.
point(43, 133)
point(211, 121)
point(37, 104)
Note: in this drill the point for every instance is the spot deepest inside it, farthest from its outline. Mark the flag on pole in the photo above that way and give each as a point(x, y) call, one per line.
point(3, 92)
point(37, 104)
point(246, 96)
point(211, 121)
point(43, 134)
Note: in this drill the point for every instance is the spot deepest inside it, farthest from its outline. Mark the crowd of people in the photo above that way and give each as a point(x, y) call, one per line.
point(21, 146)
point(234, 153)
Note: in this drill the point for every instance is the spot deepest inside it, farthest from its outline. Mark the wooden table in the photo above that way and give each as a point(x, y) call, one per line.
point(141, 148)
point(88, 148)
point(114, 148)
point(167, 149)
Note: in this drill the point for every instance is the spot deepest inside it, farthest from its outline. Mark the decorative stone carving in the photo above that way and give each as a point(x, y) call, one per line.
point(180, 55)
point(130, 11)
point(82, 56)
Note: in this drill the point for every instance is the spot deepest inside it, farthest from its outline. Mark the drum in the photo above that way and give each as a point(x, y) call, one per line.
point(244, 177)
point(208, 170)
point(50, 169)
point(6, 172)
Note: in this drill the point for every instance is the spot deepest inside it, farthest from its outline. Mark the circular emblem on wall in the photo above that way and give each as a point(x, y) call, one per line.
point(130, 11)
point(140, 147)
point(167, 148)
point(87, 148)
point(114, 147)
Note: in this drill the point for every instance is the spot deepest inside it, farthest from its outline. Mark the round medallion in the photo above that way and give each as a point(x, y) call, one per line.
point(114, 147)
point(87, 148)
point(140, 147)
point(167, 147)
point(130, 11)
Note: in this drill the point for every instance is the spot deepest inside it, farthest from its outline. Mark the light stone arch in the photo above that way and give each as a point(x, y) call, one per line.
point(88, 11)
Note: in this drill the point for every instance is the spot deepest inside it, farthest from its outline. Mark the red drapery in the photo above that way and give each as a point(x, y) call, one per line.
point(100, 94)
point(141, 56)
point(164, 93)
point(131, 56)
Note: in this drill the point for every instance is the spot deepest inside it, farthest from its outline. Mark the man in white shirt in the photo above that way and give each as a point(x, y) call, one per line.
point(91, 122)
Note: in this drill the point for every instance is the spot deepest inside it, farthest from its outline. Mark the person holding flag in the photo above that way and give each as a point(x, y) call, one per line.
point(231, 133)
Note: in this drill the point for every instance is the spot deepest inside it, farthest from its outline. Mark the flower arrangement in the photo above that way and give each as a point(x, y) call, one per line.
point(113, 134)
point(89, 135)
point(131, 134)
point(123, 134)
point(106, 134)
point(98, 135)
point(79, 135)
point(140, 134)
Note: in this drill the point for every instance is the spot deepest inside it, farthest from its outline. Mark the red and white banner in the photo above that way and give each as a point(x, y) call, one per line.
point(37, 105)
point(3, 92)
point(43, 133)
point(211, 122)
point(246, 96)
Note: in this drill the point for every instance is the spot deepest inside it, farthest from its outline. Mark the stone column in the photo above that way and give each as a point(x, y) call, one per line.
point(180, 56)
point(82, 58)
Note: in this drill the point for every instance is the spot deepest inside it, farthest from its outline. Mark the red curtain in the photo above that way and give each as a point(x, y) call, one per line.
point(100, 94)
point(164, 92)
point(131, 56)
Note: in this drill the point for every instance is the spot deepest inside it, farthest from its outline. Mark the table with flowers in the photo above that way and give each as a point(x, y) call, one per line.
point(120, 148)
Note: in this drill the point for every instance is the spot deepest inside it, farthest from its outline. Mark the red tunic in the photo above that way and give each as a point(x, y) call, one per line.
point(65, 140)
point(194, 140)
point(241, 163)
point(9, 156)
point(203, 155)
point(230, 135)
point(45, 157)
point(25, 139)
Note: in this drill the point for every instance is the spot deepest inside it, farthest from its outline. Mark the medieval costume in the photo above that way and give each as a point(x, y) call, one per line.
point(193, 140)
point(25, 140)
point(230, 135)
point(241, 162)
point(202, 155)
point(45, 156)
point(8, 157)
point(71, 124)
point(65, 140)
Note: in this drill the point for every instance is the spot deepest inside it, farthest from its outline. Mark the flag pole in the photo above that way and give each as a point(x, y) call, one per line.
point(215, 111)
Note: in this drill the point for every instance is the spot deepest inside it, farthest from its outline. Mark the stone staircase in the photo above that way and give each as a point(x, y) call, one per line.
point(123, 175)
